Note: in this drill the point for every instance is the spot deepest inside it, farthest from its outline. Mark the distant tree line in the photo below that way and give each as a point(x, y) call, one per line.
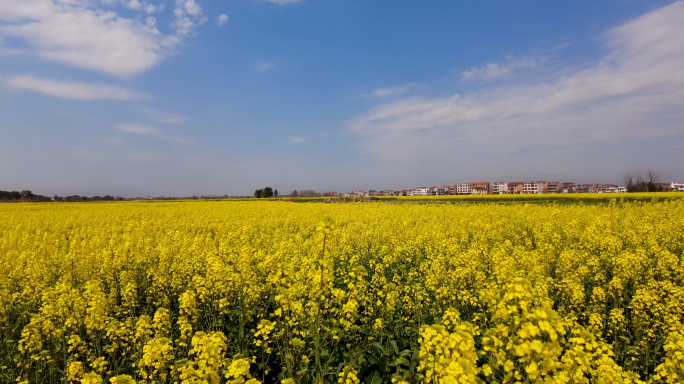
point(265, 193)
point(651, 183)
point(24, 195)
point(304, 193)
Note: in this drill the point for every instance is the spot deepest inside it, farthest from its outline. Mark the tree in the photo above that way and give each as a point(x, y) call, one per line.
point(258, 193)
point(294, 193)
point(27, 195)
point(267, 192)
point(275, 193)
point(653, 179)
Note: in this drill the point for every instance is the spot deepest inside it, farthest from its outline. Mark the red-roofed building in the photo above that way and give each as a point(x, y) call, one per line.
point(569, 187)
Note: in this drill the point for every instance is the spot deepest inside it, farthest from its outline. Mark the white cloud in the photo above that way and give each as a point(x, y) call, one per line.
point(161, 116)
point(82, 34)
point(188, 15)
point(134, 5)
point(192, 7)
point(222, 19)
point(395, 91)
point(138, 129)
point(264, 67)
point(298, 140)
point(493, 71)
point(149, 8)
point(74, 89)
point(634, 92)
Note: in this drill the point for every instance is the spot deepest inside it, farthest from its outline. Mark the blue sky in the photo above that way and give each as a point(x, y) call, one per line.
point(162, 97)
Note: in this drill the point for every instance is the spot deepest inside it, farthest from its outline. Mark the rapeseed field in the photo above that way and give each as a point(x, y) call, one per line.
point(277, 292)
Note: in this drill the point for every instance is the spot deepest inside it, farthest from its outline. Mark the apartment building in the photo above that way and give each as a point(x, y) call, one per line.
point(421, 191)
point(463, 189)
point(515, 188)
point(439, 191)
point(530, 187)
point(589, 188)
point(554, 187)
point(569, 187)
point(479, 190)
point(609, 188)
point(480, 185)
point(499, 188)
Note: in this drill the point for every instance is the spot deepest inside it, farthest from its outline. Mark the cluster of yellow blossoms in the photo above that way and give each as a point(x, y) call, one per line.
point(277, 292)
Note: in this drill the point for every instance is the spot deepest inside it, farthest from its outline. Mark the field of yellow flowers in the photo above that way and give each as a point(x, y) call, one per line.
point(276, 292)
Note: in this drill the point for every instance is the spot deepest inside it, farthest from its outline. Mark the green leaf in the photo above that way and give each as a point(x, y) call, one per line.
point(401, 361)
point(379, 347)
point(394, 346)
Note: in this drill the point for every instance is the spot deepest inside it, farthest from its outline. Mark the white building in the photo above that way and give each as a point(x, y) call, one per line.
point(499, 188)
point(534, 187)
point(679, 187)
point(609, 188)
point(622, 189)
point(439, 191)
point(463, 189)
point(421, 191)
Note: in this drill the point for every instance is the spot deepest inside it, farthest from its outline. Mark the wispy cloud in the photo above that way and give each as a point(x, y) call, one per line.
point(222, 19)
point(85, 34)
point(283, 2)
point(494, 71)
point(638, 83)
point(264, 67)
point(161, 116)
point(74, 89)
point(395, 91)
point(138, 129)
point(298, 140)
